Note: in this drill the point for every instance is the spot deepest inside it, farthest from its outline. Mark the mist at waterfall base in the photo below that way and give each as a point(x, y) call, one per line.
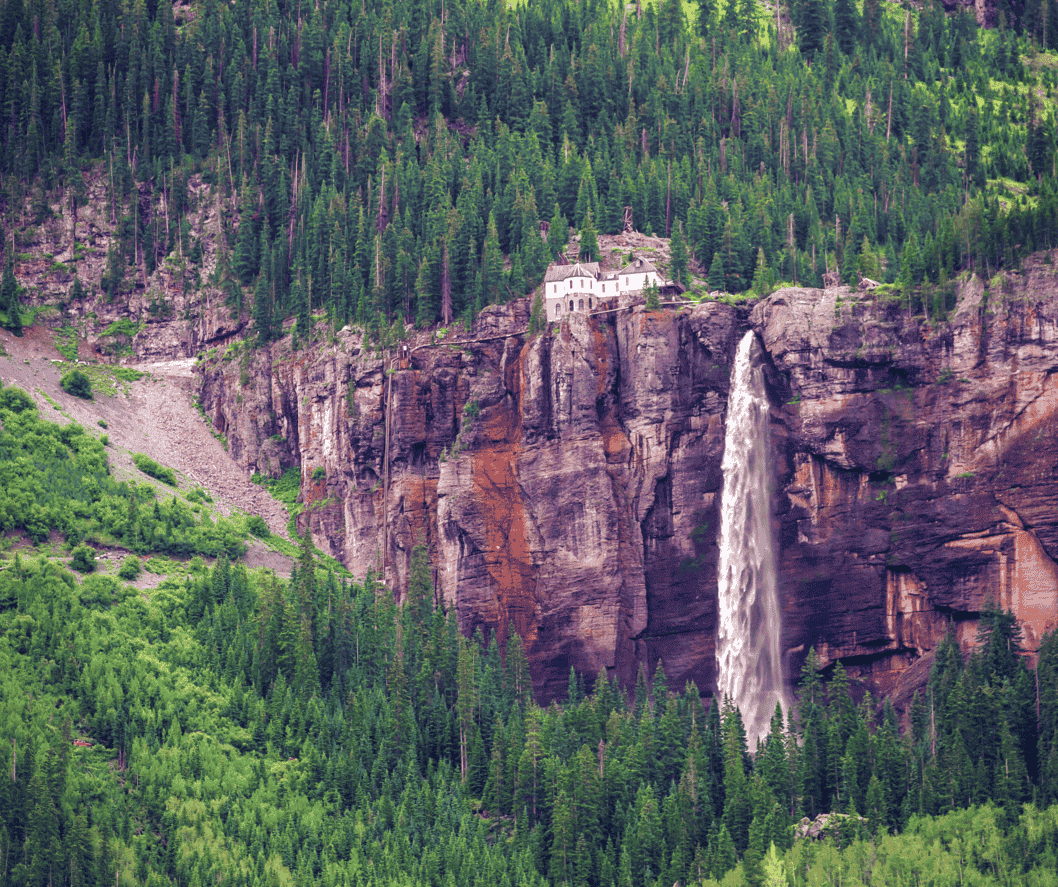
point(749, 659)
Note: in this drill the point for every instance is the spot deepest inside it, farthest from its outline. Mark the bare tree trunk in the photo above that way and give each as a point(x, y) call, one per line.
point(446, 289)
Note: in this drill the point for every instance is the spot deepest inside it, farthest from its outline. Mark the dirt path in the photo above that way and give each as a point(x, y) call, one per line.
point(155, 416)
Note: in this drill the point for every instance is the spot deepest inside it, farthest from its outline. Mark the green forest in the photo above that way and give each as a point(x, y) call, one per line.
point(390, 164)
point(231, 727)
point(393, 163)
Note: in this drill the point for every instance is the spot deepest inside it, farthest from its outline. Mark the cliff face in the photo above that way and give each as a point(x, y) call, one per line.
point(568, 484)
point(918, 472)
point(565, 484)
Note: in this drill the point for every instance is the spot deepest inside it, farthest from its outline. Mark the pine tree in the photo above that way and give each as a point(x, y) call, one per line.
point(589, 242)
point(9, 296)
point(812, 27)
point(538, 317)
point(846, 25)
point(678, 248)
point(753, 859)
point(492, 276)
point(738, 803)
point(717, 279)
point(557, 234)
point(762, 279)
point(262, 310)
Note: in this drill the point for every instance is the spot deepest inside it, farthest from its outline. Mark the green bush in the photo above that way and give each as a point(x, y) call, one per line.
point(15, 400)
point(84, 559)
point(127, 374)
point(256, 525)
point(319, 474)
point(152, 469)
point(286, 488)
point(77, 383)
point(130, 568)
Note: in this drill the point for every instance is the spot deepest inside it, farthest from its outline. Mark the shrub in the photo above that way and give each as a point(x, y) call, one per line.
point(319, 474)
point(15, 400)
point(84, 559)
point(256, 525)
point(152, 469)
point(77, 383)
point(130, 568)
point(127, 374)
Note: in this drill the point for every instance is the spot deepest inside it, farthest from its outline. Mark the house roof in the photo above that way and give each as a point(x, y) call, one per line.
point(639, 266)
point(564, 272)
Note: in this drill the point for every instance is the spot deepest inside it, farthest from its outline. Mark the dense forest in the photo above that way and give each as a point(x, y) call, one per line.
point(232, 727)
point(393, 163)
point(389, 164)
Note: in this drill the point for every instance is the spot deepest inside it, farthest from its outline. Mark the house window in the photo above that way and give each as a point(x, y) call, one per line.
point(589, 304)
point(581, 306)
point(570, 304)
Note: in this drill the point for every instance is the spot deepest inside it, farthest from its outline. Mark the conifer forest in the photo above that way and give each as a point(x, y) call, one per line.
point(389, 164)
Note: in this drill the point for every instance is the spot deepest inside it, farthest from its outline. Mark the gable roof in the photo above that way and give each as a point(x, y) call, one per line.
point(638, 266)
point(564, 272)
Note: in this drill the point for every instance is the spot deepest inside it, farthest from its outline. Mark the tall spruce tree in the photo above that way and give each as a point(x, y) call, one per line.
point(9, 296)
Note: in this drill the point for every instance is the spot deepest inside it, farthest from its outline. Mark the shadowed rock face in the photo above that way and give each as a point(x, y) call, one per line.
point(568, 483)
point(919, 469)
point(565, 484)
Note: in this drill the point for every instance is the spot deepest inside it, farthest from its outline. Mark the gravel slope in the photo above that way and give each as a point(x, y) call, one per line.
point(156, 416)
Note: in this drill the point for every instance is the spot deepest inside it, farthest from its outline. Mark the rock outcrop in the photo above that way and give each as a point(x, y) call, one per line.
point(567, 483)
point(918, 476)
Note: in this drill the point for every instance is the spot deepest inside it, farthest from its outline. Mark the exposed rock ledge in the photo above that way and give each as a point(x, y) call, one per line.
point(568, 483)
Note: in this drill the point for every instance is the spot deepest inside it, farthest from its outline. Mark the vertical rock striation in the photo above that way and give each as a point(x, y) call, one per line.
point(918, 474)
point(567, 484)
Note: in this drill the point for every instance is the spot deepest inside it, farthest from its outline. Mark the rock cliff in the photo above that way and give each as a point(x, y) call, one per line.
point(918, 467)
point(567, 483)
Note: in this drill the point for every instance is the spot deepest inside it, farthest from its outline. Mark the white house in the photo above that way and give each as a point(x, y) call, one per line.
point(578, 288)
point(638, 275)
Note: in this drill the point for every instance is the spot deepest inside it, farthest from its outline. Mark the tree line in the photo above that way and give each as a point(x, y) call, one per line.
point(236, 726)
point(393, 163)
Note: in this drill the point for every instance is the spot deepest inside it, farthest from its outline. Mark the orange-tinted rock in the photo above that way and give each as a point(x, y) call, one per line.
point(568, 483)
point(919, 471)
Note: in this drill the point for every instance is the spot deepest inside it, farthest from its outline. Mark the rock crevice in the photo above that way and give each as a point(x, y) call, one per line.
point(569, 483)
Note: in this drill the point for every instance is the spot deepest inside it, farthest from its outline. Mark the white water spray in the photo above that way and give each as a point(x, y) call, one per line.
point(748, 656)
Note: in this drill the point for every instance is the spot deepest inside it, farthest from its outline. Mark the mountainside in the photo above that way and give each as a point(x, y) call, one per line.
point(568, 483)
point(299, 196)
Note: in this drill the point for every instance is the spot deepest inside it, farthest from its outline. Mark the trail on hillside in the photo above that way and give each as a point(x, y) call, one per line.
point(155, 416)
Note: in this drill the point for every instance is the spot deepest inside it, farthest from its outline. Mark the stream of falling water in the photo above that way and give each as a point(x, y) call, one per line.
point(749, 660)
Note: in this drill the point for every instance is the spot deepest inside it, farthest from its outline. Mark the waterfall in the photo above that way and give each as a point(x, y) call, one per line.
point(749, 661)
